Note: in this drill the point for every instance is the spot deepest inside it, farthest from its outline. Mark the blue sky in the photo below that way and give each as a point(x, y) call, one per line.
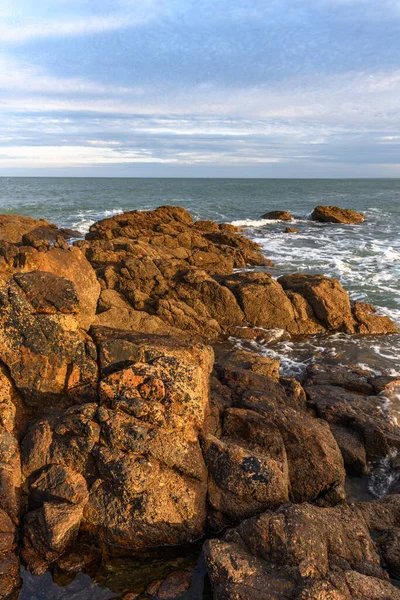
point(288, 88)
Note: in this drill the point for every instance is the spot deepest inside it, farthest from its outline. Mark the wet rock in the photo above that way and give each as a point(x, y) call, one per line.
point(291, 230)
point(352, 379)
point(386, 385)
point(250, 361)
point(358, 413)
point(174, 585)
point(352, 447)
point(334, 214)
point(278, 215)
point(369, 322)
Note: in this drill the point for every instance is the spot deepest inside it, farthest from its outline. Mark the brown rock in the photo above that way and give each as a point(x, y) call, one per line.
point(369, 322)
point(139, 450)
point(291, 230)
point(9, 563)
point(40, 341)
point(334, 214)
point(174, 585)
point(303, 553)
point(278, 215)
point(247, 467)
point(70, 265)
point(13, 227)
point(359, 413)
point(329, 301)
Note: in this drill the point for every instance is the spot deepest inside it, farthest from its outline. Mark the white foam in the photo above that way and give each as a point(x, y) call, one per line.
point(87, 218)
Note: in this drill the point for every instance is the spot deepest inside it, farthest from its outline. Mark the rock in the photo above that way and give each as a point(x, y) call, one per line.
point(334, 214)
point(250, 361)
point(327, 298)
point(362, 415)
point(301, 552)
point(248, 466)
point(352, 447)
point(389, 547)
point(278, 215)
point(352, 379)
point(291, 230)
point(48, 531)
point(45, 352)
point(137, 448)
point(13, 227)
point(369, 322)
point(165, 268)
point(174, 585)
point(9, 563)
point(307, 442)
point(70, 265)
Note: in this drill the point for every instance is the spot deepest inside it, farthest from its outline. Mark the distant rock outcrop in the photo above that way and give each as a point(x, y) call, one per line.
point(278, 215)
point(334, 214)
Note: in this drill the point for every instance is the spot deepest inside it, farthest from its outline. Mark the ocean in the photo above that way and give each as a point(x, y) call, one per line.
point(365, 258)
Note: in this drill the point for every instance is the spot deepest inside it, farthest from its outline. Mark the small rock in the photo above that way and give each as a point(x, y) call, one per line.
point(278, 215)
point(174, 585)
point(291, 230)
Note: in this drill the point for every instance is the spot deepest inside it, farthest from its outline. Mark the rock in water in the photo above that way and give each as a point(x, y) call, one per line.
point(334, 214)
point(278, 215)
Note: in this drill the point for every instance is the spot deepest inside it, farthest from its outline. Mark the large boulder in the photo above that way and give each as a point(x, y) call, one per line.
point(334, 214)
point(136, 449)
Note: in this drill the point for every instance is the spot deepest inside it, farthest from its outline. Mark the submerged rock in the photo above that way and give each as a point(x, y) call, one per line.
point(334, 214)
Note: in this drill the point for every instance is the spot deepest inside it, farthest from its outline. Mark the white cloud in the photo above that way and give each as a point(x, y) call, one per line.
point(58, 28)
point(71, 156)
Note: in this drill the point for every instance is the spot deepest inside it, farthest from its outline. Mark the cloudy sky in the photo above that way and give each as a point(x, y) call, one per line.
point(247, 88)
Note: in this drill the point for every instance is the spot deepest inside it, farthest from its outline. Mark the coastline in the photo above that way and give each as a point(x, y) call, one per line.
point(127, 434)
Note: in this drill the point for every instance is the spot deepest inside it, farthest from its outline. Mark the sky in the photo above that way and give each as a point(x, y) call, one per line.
point(200, 88)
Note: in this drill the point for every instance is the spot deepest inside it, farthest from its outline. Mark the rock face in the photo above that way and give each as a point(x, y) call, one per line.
point(334, 214)
point(308, 553)
point(278, 215)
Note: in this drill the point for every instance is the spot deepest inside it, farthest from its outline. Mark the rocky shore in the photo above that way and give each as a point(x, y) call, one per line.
point(129, 423)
